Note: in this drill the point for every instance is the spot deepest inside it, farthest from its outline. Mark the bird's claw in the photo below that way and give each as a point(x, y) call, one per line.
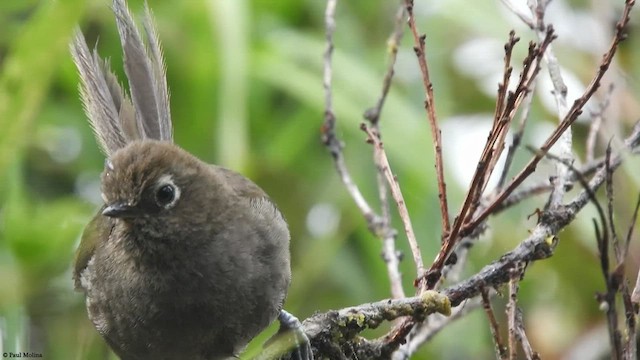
point(302, 346)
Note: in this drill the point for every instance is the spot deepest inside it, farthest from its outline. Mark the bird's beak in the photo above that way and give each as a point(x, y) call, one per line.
point(120, 210)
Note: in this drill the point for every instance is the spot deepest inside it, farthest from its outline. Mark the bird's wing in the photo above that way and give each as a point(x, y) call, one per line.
point(99, 228)
point(259, 202)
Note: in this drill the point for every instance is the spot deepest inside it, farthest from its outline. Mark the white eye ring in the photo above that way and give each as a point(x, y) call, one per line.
point(167, 193)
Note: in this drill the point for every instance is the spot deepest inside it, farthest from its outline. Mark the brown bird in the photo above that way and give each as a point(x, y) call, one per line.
point(185, 260)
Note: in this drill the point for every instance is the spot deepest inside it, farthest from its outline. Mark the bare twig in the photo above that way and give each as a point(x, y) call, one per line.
point(399, 333)
point(541, 241)
point(564, 147)
point(373, 114)
point(629, 346)
point(502, 120)
point(635, 295)
point(606, 300)
point(392, 181)
point(524, 340)
point(512, 309)
point(525, 17)
point(594, 128)
point(493, 147)
point(429, 104)
point(517, 138)
point(538, 245)
point(596, 122)
point(615, 243)
point(501, 350)
point(379, 226)
point(329, 137)
point(389, 253)
point(571, 117)
point(353, 320)
point(634, 218)
point(525, 192)
point(493, 150)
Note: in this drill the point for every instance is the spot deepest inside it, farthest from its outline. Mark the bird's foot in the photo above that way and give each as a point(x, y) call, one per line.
point(301, 345)
point(289, 343)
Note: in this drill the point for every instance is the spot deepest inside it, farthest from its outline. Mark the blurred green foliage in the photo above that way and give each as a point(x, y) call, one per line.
point(246, 93)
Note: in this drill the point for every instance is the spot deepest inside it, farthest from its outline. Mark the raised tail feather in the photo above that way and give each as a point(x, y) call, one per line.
point(116, 119)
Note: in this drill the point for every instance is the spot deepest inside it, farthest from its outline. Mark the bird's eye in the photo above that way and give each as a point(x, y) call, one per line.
point(165, 195)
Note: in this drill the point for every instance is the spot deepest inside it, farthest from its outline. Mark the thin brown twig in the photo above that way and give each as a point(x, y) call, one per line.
point(379, 226)
point(490, 155)
point(607, 300)
point(565, 141)
point(503, 87)
point(616, 280)
point(596, 122)
point(540, 244)
point(373, 114)
point(632, 226)
point(435, 270)
point(329, 138)
point(399, 333)
point(571, 117)
point(388, 235)
point(515, 275)
point(516, 138)
point(594, 128)
point(541, 240)
point(629, 349)
point(526, 18)
point(534, 256)
point(529, 353)
point(630, 306)
point(501, 350)
point(429, 104)
point(502, 117)
point(396, 193)
point(615, 243)
point(525, 192)
point(531, 68)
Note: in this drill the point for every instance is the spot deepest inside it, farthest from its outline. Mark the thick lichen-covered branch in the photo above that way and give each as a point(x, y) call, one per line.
point(335, 333)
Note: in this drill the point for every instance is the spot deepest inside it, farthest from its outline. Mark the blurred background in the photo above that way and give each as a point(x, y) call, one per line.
point(246, 93)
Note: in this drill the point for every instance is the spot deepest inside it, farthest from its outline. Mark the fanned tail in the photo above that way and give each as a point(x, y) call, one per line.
point(100, 95)
point(115, 118)
point(146, 74)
